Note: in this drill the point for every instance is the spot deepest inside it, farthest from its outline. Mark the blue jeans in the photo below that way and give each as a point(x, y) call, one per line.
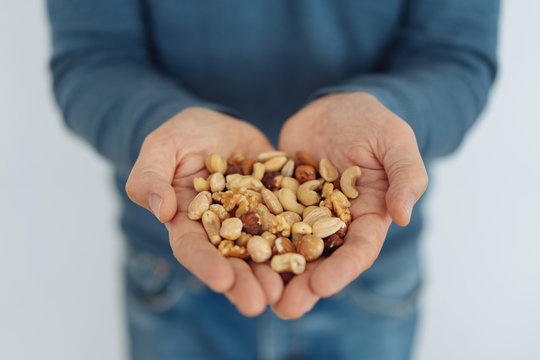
point(172, 315)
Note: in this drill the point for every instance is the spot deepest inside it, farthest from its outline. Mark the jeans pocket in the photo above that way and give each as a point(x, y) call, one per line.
point(154, 281)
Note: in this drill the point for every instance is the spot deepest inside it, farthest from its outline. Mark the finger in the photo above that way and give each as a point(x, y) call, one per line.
point(271, 282)
point(246, 293)
point(298, 297)
point(407, 177)
point(362, 245)
point(149, 183)
point(192, 249)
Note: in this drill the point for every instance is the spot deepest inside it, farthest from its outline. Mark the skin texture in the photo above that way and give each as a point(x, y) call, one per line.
point(354, 129)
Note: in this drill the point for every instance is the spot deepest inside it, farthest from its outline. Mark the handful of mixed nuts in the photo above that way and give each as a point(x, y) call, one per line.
point(272, 208)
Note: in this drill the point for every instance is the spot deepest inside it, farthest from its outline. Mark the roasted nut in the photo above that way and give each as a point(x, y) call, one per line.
point(348, 181)
point(283, 245)
point(305, 173)
point(269, 237)
point(230, 178)
point(291, 217)
point(245, 181)
point(306, 192)
point(258, 170)
point(215, 163)
point(288, 262)
point(275, 163)
point(280, 226)
point(290, 183)
point(220, 211)
point(247, 166)
point(211, 225)
point(316, 214)
point(327, 170)
point(306, 159)
point(234, 169)
point(251, 222)
point(258, 249)
point(298, 230)
point(343, 231)
point(236, 159)
point(246, 203)
point(327, 203)
point(217, 182)
point(332, 243)
point(267, 155)
point(229, 249)
point(200, 184)
point(308, 209)
point(231, 229)
point(288, 169)
point(271, 201)
point(243, 239)
point(199, 205)
point(272, 180)
point(266, 217)
point(327, 226)
point(327, 190)
point(287, 198)
point(310, 247)
point(341, 205)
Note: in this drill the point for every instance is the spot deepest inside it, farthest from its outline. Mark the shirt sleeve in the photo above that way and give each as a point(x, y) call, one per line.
point(438, 71)
point(106, 83)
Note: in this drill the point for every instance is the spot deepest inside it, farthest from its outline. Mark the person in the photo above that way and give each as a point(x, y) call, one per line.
point(155, 86)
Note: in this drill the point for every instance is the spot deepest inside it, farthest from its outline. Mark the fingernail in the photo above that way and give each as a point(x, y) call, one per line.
point(409, 204)
point(155, 202)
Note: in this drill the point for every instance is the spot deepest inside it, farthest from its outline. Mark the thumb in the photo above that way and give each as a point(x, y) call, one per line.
point(149, 183)
point(408, 180)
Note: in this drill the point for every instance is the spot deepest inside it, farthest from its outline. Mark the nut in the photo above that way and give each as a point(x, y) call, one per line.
point(230, 178)
point(308, 209)
point(247, 166)
point(305, 173)
point(258, 170)
point(327, 190)
point(298, 230)
point(200, 184)
point(275, 163)
point(328, 171)
point(290, 182)
point(311, 247)
point(251, 222)
point(229, 249)
point(288, 169)
point(231, 229)
point(280, 226)
point(348, 181)
point(217, 182)
point(291, 217)
point(327, 226)
point(316, 214)
point(271, 201)
point(341, 205)
point(246, 181)
point(211, 225)
point(266, 217)
point(332, 243)
point(236, 159)
point(220, 211)
point(288, 262)
point(259, 250)
point(306, 159)
point(272, 180)
point(215, 163)
point(267, 155)
point(269, 237)
point(199, 205)
point(283, 245)
point(287, 198)
point(306, 193)
point(243, 239)
point(234, 169)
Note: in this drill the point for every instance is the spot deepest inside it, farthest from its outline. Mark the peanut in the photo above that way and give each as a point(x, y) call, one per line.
point(231, 228)
point(199, 205)
point(259, 250)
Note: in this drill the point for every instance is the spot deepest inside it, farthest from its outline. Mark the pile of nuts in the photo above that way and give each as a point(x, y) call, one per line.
point(272, 208)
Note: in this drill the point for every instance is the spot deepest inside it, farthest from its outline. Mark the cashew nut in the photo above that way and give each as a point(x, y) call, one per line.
point(288, 262)
point(348, 181)
point(287, 197)
point(290, 183)
point(306, 193)
point(249, 182)
point(327, 170)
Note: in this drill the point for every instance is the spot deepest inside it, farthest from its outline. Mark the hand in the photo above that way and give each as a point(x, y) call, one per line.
point(162, 182)
point(354, 129)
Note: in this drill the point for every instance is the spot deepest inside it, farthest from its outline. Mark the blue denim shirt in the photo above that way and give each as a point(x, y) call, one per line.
point(123, 67)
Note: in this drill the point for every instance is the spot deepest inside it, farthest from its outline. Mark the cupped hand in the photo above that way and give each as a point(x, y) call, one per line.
point(354, 129)
point(162, 182)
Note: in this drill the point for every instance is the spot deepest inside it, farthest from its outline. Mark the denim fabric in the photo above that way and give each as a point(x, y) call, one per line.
point(172, 315)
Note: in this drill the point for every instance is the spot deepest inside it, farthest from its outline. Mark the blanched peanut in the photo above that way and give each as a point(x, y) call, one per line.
point(217, 182)
point(215, 163)
point(259, 250)
point(231, 229)
point(199, 205)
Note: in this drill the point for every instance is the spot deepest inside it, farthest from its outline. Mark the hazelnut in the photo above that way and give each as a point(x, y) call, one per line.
point(306, 159)
point(272, 180)
point(283, 245)
point(305, 173)
point(234, 169)
point(251, 223)
point(331, 243)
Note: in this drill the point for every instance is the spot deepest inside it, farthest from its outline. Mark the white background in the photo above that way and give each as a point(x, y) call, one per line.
point(60, 250)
